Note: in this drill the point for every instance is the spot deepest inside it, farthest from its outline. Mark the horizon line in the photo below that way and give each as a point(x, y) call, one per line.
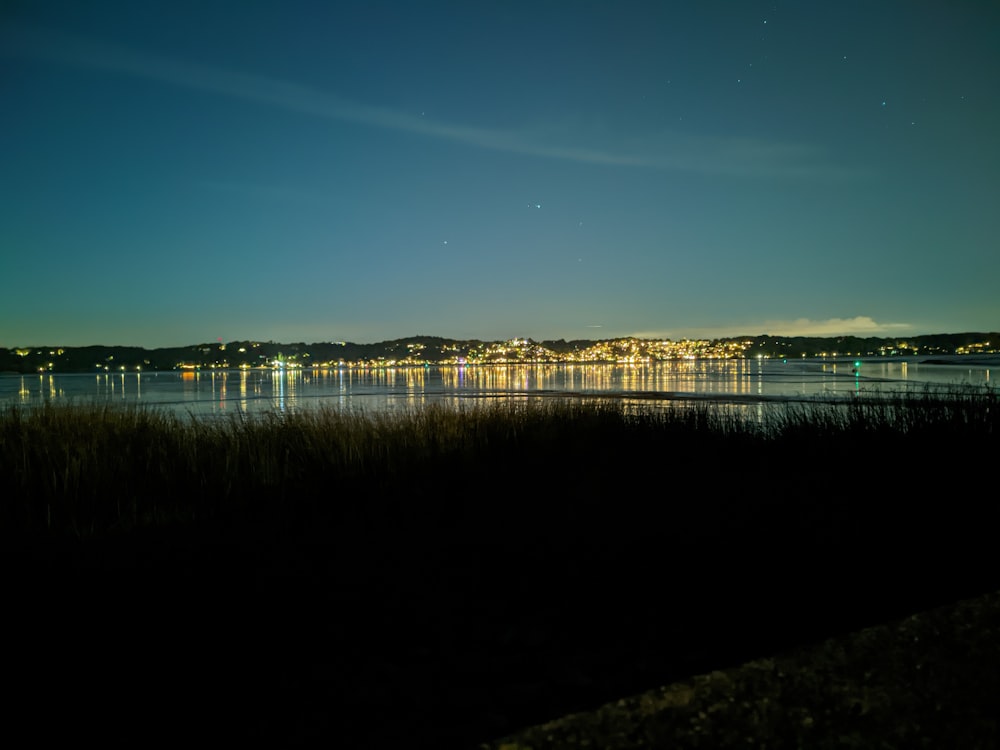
point(731, 337)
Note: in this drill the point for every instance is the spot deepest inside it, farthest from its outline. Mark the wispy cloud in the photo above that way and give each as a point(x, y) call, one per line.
point(665, 150)
point(860, 325)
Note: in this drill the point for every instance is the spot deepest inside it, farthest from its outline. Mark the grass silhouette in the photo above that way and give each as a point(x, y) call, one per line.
point(442, 576)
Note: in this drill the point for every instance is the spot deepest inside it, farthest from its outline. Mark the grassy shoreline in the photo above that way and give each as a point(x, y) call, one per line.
point(442, 578)
point(91, 470)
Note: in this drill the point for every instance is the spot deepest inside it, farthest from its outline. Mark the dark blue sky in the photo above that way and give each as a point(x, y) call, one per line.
point(175, 172)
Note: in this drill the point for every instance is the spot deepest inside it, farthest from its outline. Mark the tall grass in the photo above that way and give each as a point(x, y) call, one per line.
point(83, 470)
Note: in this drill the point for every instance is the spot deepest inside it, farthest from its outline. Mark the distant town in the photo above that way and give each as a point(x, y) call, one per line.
point(433, 350)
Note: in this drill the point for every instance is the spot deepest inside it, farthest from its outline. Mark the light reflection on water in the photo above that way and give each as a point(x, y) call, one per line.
point(223, 392)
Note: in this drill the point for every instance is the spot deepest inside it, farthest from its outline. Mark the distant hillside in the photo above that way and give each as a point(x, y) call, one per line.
point(416, 350)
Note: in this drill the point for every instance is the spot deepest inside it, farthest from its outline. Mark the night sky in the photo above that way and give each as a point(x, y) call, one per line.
point(177, 172)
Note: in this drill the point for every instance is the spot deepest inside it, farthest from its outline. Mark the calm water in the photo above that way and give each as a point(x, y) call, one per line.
point(230, 392)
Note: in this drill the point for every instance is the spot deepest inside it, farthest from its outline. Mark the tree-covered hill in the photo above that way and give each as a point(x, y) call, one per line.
point(436, 349)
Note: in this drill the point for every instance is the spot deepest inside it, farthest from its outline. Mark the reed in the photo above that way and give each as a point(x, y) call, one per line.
point(83, 470)
point(444, 566)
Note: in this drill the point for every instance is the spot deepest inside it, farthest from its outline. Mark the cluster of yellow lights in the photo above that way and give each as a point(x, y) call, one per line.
point(980, 348)
point(518, 351)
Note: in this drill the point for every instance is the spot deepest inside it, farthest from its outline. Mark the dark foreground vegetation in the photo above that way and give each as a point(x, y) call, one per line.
point(443, 578)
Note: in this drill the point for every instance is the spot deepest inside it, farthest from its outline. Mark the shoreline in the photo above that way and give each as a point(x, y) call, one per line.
point(439, 579)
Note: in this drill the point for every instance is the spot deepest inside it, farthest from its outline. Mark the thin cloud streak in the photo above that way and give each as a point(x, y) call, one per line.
point(734, 156)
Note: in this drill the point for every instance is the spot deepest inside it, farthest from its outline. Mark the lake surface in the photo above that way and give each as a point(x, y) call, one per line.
point(223, 392)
